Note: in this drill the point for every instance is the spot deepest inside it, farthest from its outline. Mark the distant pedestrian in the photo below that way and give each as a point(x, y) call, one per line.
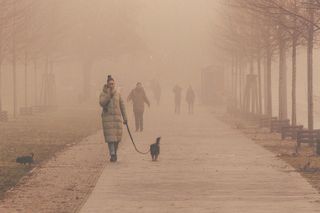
point(139, 98)
point(190, 97)
point(113, 108)
point(177, 90)
point(156, 88)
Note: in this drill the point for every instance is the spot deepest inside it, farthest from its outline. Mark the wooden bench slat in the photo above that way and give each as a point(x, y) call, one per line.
point(308, 136)
point(266, 122)
point(290, 131)
point(4, 116)
point(277, 125)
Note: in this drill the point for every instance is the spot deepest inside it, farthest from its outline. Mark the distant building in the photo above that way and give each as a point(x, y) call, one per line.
point(212, 85)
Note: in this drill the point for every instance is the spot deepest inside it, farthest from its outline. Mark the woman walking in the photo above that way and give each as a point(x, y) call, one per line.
point(113, 116)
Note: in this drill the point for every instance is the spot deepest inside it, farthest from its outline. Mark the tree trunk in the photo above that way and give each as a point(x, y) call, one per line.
point(294, 71)
point(251, 92)
point(233, 82)
point(282, 77)
point(268, 81)
point(236, 81)
point(0, 88)
point(44, 84)
point(35, 83)
point(265, 88)
point(294, 81)
point(259, 84)
point(310, 69)
point(14, 76)
point(240, 85)
point(26, 79)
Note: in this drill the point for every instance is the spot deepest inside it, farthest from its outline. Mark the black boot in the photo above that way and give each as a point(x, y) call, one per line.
point(113, 158)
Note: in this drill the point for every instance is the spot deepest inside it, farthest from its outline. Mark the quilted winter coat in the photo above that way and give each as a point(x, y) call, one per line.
point(113, 114)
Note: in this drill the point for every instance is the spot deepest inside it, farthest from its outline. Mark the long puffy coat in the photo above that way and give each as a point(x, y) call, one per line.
point(113, 108)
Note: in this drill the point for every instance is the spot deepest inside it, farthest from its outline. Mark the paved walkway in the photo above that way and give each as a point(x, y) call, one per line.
point(204, 166)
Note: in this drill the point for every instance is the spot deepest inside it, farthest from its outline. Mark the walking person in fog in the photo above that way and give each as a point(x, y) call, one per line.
point(113, 108)
point(139, 98)
point(177, 90)
point(190, 97)
point(156, 89)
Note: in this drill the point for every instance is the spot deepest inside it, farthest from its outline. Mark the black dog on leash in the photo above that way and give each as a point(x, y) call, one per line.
point(155, 149)
point(25, 159)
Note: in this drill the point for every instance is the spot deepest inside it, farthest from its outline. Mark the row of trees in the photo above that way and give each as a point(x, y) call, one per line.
point(260, 32)
point(34, 32)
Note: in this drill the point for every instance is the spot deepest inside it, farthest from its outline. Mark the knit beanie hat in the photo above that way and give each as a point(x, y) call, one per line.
point(110, 78)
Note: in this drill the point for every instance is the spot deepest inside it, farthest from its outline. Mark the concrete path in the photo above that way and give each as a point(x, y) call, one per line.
point(204, 166)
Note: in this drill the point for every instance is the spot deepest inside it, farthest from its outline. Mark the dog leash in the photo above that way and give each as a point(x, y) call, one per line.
point(135, 147)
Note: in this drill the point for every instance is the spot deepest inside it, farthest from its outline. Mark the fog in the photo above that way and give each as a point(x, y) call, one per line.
point(82, 42)
point(225, 84)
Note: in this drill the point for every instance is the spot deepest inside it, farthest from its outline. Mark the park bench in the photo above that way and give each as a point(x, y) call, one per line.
point(290, 131)
point(253, 117)
point(26, 111)
point(277, 125)
point(51, 108)
point(4, 116)
point(266, 121)
point(232, 110)
point(39, 109)
point(308, 136)
point(250, 117)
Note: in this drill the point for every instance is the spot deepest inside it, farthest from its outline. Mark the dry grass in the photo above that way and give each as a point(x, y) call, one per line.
point(42, 134)
point(284, 149)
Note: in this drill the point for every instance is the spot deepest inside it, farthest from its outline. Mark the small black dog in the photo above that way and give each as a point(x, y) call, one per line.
point(155, 149)
point(25, 159)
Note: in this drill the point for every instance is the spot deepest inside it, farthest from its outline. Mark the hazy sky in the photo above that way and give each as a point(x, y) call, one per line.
point(178, 32)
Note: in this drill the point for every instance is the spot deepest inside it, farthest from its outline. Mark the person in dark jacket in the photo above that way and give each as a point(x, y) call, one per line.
point(113, 115)
point(177, 90)
point(156, 89)
point(190, 97)
point(139, 98)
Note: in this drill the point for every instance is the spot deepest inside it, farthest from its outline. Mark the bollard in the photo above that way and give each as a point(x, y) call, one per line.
point(318, 148)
